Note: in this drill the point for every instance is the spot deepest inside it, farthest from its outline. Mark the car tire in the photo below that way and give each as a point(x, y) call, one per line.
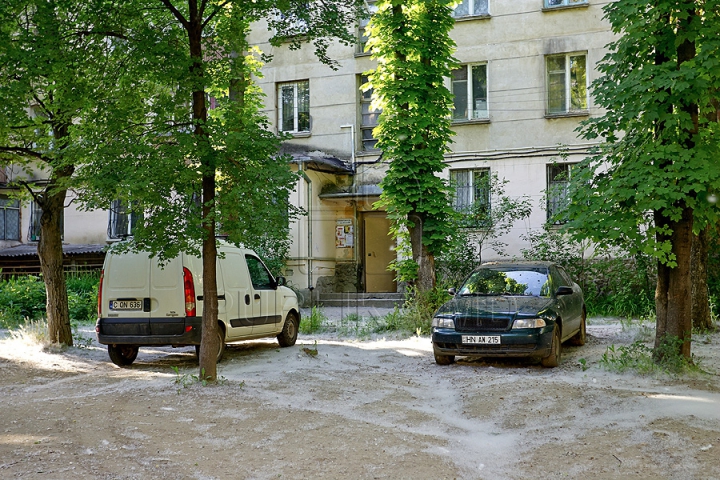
point(553, 360)
point(221, 350)
point(289, 333)
point(123, 355)
point(441, 359)
point(581, 336)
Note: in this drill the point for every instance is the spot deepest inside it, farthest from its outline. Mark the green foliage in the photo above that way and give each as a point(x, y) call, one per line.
point(641, 358)
point(416, 314)
point(614, 282)
point(657, 155)
point(20, 298)
point(411, 42)
point(478, 229)
point(23, 297)
point(316, 322)
point(713, 269)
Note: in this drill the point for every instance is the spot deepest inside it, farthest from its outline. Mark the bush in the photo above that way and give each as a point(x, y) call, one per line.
point(23, 297)
point(614, 283)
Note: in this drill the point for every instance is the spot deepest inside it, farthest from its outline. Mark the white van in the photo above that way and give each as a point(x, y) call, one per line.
point(141, 304)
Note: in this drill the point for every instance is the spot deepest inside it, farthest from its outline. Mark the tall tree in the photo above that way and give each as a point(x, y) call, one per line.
point(650, 185)
point(411, 42)
point(53, 65)
point(196, 151)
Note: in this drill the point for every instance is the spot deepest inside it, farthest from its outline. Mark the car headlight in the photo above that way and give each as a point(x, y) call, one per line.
point(443, 322)
point(529, 323)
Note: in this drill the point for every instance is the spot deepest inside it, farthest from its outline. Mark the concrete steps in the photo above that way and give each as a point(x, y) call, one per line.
point(367, 300)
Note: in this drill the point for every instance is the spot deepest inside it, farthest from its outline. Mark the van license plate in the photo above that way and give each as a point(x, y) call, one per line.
point(481, 339)
point(125, 305)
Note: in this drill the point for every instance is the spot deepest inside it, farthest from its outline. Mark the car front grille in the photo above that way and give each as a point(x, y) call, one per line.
point(460, 349)
point(473, 324)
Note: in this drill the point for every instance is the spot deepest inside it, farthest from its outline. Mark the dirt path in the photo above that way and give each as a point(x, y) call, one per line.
point(359, 409)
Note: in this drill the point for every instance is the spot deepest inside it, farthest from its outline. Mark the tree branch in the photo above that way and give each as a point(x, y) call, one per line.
point(177, 13)
point(26, 152)
point(83, 33)
point(215, 12)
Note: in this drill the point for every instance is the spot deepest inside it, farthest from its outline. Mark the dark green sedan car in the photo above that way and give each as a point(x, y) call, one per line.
point(511, 309)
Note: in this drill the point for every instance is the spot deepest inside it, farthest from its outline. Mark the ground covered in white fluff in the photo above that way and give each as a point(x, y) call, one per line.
point(360, 408)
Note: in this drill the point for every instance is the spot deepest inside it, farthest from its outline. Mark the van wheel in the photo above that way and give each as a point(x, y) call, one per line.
point(221, 351)
point(289, 333)
point(123, 355)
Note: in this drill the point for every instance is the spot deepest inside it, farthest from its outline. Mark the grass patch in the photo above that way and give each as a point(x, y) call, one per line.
point(641, 358)
point(315, 323)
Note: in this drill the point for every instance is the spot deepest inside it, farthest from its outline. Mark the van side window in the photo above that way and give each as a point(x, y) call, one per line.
point(259, 276)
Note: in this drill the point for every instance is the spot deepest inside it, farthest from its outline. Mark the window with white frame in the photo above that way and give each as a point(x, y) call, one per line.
point(472, 194)
point(34, 229)
point(561, 3)
point(469, 86)
point(558, 190)
point(470, 8)
point(567, 89)
point(122, 220)
point(9, 219)
point(363, 39)
point(368, 117)
point(294, 107)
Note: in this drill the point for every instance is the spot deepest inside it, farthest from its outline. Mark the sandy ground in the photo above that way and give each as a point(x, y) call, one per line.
point(373, 408)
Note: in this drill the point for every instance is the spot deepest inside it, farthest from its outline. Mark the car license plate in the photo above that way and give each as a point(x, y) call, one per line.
point(125, 305)
point(481, 339)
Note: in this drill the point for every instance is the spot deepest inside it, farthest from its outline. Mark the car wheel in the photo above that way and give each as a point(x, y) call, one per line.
point(553, 360)
point(221, 350)
point(289, 333)
point(123, 355)
point(441, 359)
point(581, 336)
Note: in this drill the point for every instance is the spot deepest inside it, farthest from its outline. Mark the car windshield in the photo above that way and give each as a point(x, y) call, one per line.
point(508, 281)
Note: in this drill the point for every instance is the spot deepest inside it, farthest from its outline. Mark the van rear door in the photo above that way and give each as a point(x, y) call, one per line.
point(126, 294)
point(167, 314)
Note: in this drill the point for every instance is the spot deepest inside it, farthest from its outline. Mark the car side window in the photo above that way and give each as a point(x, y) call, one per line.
point(259, 275)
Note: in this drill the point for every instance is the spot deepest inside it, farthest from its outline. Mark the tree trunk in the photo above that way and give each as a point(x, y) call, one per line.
point(209, 342)
point(51, 264)
point(421, 256)
point(673, 293)
point(701, 319)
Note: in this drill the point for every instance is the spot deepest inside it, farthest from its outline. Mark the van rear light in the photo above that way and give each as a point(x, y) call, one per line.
point(100, 285)
point(189, 287)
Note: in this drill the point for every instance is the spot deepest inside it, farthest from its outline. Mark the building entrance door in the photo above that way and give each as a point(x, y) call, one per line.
point(378, 252)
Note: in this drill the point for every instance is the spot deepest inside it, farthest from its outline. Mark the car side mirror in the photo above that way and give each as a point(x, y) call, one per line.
point(564, 291)
point(452, 291)
point(280, 281)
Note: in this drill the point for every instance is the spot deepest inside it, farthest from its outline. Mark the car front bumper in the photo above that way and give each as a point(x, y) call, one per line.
point(529, 342)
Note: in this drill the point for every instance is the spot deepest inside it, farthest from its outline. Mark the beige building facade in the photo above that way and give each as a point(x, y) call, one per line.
point(521, 91)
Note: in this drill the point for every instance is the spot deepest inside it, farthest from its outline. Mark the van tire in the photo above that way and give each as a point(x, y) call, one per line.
point(123, 355)
point(289, 333)
point(221, 351)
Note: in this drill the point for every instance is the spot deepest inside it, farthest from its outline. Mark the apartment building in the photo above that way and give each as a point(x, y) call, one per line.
point(521, 91)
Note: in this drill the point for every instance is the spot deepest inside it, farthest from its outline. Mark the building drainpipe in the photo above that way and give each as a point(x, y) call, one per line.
point(351, 126)
point(308, 202)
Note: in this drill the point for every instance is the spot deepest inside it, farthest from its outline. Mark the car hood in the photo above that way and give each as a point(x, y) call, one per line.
point(510, 307)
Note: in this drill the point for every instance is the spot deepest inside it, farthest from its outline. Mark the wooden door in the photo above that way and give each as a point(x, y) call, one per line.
point(379, 251)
